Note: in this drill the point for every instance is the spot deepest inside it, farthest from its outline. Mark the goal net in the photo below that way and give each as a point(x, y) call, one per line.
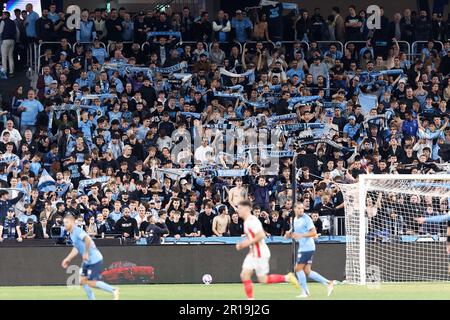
point(384, 241)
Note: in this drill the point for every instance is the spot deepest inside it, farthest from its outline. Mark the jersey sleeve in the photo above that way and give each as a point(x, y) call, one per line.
point(80, 234)
point(310, 224)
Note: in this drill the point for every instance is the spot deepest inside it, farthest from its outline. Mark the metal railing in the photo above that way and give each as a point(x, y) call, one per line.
point(228, 44)
point(265, 43)
point(39, 53)
point(415, 44)
point(332, 225)
point(32, 58)
point(329, 43)
point(35, 51)
point(108, 47)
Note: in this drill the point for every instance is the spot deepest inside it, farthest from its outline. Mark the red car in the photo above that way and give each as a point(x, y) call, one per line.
point(122, 272)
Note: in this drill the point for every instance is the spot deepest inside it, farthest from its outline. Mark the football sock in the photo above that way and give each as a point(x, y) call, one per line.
point(318, 278)
point(248, 287)
point(275, 278)
point(104, 286)
point(89, 292)
point(302, 280)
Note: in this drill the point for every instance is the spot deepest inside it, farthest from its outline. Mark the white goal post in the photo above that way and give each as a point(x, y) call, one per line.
point(384, 242)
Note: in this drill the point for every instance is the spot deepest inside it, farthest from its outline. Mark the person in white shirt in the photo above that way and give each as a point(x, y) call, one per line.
point(201, 152)
point(13, 132)
point(330, 129)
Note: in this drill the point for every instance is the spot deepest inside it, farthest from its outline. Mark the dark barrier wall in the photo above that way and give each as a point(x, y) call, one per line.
point(157, 264)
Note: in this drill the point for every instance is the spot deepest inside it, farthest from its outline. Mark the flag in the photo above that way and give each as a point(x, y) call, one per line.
point(46, 182)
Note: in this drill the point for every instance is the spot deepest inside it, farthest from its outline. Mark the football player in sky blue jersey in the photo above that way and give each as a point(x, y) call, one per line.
point(92, 259)
point(305, 232)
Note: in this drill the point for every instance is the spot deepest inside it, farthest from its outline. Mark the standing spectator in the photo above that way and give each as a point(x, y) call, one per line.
point(10, 227)
point(221, 27)
point(303, 27)
point(52, 14)
point(5, 204)
point(19, 48)
point(395, 27)
point(408, 25)
point(203, 28)
point(29, 110)
point(318, 25)
point(45, 28)
point(353, 24)
point(261, 29)
point(192, 227)
point(187, 22)
point(100, 25)
point(126, 226)
point(338, 24)
point(261, 192)
point(175, 225)
point(423, 27)
point(241, 27)
point(439, 29)
point(140, 28)
point(114, 27)
point(274, 13)
point(128, 28)
point(154, 231)
point(236, 226)
point(30, 23)
point(9, 33)
point(162, 24)
point(205, 219)
point(86, 32)
point(221, 223)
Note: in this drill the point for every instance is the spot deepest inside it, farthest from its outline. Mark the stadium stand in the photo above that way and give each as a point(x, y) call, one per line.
point(169, 119)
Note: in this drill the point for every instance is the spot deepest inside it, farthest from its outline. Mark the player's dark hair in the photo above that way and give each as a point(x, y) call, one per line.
point(245, 203)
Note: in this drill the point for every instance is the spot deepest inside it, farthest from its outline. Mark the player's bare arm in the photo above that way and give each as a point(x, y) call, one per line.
point(66, 262)
point(87, 245)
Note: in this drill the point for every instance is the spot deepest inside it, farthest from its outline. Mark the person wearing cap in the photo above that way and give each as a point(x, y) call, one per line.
point(351, 128)
point(241, 27)
point(10, 226)
point(331, 128)
point(65, 64)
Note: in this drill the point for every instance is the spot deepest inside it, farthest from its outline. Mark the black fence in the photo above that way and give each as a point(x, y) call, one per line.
point(26, 265)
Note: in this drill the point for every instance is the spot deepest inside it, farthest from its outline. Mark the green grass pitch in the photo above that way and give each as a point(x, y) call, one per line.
point(416, 291)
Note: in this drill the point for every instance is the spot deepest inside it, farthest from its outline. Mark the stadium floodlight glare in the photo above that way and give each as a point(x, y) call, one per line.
point(385, 242)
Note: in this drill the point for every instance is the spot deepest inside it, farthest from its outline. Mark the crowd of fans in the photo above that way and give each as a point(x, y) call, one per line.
point(158, 123)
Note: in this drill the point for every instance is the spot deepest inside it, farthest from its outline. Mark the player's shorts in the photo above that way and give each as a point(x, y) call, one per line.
point(260, 265)
point(92, 271)
point(305, 257)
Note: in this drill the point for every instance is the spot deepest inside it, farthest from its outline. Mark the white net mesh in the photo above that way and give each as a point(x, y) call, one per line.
point(388, 245)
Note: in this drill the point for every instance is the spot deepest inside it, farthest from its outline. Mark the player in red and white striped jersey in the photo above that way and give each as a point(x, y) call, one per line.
point(257, 260)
